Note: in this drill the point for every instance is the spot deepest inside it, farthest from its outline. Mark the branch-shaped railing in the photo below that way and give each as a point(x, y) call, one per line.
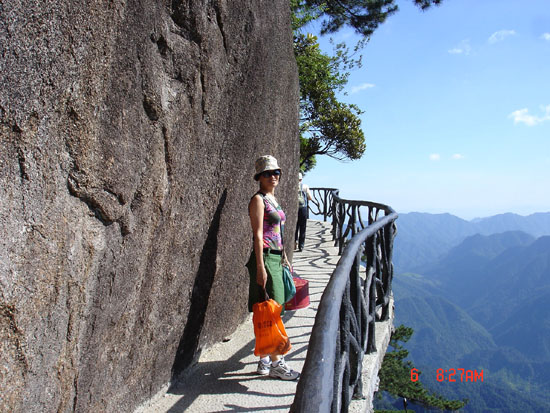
point(351, 303)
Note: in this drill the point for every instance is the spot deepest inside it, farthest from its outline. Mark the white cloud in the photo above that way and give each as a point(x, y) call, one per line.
point(457, 156)
point(500, 35)
point(462, 48)
point(523, 116)
point(435, 157)
point(545, 36)
point(361, 87)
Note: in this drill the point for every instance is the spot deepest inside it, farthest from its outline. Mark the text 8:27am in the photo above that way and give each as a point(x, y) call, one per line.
point(453, 375)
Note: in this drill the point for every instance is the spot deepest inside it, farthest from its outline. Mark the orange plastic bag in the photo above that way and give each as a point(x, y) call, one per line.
point(269, 329)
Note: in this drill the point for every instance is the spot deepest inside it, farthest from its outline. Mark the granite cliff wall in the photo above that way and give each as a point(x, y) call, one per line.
point(129, 130)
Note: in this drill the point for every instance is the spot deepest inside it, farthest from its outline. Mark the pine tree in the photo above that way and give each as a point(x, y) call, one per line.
point(363, 15)
point(327, 125)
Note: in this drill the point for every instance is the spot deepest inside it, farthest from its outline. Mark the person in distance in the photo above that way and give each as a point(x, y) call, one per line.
point(304, 196)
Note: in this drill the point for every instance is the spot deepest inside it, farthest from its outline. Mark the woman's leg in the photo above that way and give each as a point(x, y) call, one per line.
point(279, 368)
point(296, 233)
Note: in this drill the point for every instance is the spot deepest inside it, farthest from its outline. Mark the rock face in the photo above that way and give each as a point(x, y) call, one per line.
point(129, 130)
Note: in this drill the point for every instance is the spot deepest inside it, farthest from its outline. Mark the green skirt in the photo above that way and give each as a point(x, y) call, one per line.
point(274, 286)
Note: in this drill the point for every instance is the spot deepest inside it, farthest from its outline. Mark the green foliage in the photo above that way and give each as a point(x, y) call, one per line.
point(327, 126)
point(363, 16)
point(302, 14)
point(306, 163)
point(395, 376)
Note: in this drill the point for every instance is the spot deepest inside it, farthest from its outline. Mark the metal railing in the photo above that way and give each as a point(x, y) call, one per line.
point(351, 303)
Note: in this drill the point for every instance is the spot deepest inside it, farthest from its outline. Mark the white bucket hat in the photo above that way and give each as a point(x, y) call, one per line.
point(265, 163)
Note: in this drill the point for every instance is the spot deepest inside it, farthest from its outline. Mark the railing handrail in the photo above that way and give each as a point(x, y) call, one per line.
point(316, 389)
point(336, 193)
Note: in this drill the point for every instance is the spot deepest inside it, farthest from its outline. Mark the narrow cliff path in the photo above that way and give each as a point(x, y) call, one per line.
point(225, 378)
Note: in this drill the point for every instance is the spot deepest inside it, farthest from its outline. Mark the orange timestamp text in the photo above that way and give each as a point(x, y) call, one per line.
point(452, 375)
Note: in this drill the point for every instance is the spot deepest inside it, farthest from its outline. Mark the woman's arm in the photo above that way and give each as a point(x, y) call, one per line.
point(256, 212)
point(285, 260)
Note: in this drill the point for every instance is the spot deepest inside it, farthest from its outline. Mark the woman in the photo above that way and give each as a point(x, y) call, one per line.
point(265, 264)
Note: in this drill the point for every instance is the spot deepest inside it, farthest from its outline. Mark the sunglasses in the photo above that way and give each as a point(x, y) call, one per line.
point(269, 174)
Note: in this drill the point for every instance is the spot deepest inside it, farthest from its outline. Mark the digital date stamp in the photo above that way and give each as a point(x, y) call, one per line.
point(452, 375)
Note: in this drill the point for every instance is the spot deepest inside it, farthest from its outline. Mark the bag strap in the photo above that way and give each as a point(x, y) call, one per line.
point(262, 289)
point(265, 198)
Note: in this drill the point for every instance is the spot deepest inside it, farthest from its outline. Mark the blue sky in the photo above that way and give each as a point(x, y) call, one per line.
point(457, 110)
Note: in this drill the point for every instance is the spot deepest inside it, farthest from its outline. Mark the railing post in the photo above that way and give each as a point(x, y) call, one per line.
point(353, 220)
point(370, 291)
point(356, 353)
point(342, 365)
point(334, 218)
point(325, 206)
point(387, 273)
point(341, 232)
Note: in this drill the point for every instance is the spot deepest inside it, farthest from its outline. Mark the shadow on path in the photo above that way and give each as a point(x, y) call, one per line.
point(225, 378)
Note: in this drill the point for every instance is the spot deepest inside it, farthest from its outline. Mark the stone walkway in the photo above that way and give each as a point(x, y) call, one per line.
point(225, 378)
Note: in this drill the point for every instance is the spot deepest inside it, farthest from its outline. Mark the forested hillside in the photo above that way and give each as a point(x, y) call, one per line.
point(482, 304)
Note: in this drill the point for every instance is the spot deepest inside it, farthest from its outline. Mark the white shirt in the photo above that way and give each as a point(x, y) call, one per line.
point(305, 188)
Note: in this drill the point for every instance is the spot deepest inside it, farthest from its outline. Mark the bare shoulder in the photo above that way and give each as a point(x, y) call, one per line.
point(256, 203)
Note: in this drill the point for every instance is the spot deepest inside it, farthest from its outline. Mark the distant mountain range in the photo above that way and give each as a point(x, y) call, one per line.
point(424, 238)
point(493, 276)
point(478, 300)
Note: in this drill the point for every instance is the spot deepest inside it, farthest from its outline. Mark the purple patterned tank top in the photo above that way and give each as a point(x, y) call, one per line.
point(274, 223)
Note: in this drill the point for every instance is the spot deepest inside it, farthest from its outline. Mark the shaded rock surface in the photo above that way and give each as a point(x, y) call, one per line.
point(129, 131)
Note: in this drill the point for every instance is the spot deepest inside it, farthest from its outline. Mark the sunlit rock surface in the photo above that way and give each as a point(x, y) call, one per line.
point(129, 131)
